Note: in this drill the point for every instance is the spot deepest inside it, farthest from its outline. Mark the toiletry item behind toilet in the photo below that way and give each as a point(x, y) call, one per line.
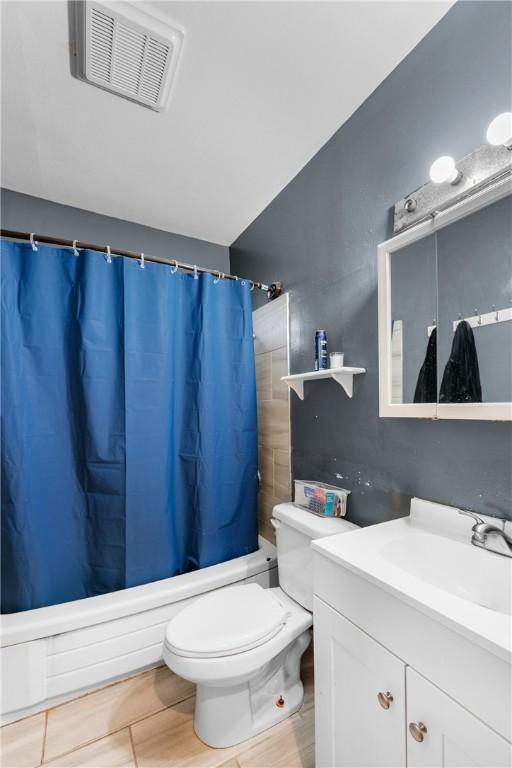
point(321, 499)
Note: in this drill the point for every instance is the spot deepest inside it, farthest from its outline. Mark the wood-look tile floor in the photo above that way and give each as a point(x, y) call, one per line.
point(147, 722)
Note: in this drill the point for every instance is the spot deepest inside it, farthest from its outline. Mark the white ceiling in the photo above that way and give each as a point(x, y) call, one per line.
point(260, 88)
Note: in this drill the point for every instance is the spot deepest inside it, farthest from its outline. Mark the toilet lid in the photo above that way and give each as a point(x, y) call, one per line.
point(226, 622)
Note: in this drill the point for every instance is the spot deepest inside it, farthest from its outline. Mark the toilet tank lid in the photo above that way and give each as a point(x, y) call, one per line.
point(309, 524)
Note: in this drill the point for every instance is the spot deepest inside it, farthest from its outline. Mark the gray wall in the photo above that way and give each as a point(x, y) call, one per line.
point(319, 236)
point(32, 214)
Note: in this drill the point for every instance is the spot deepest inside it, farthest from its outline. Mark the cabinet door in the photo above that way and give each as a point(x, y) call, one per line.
point(454, 738)
point(352, 727)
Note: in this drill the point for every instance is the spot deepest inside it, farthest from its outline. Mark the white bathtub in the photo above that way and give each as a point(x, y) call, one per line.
point(50, 654)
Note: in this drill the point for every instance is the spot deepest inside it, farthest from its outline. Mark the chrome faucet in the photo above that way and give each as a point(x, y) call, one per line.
point(489, 536)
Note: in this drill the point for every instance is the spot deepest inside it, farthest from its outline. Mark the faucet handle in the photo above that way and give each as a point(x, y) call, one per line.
point(478, 520)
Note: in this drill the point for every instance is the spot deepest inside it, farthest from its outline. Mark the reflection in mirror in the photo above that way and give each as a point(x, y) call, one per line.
point(413, 313)
point(474, 264)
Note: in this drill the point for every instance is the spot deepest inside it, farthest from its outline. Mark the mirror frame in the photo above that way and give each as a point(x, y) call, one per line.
point(483, 411)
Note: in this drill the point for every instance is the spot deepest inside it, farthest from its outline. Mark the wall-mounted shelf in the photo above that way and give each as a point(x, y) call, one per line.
point(343, 376)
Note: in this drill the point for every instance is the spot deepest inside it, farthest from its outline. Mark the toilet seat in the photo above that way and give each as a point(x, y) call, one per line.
point(227, 622)
point(229, 669)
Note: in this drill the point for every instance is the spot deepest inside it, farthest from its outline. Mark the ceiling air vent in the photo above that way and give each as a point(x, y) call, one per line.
point(125, 50)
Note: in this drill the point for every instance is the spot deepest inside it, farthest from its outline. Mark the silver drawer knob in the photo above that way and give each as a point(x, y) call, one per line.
point(385, 699)
point(417, 731)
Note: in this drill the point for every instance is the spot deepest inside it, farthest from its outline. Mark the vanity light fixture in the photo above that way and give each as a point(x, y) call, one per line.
point(452, 181)
point(499, 132)
point(444, 170)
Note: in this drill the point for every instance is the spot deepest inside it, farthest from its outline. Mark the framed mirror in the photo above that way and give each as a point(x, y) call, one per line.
point(445, 313)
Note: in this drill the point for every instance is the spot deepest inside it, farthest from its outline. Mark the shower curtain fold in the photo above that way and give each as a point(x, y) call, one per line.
point(129, 441)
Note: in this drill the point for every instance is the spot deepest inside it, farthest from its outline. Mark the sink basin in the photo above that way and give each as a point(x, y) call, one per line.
point(428, 561)
point(469, 572)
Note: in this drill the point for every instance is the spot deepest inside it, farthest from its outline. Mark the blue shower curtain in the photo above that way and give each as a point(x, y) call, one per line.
point(129, 443)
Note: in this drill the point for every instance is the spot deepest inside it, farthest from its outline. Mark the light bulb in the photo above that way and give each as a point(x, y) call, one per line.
point(499, 131)
point(444, 169)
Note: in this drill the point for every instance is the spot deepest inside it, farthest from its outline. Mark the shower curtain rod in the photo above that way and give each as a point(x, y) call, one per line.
point(273, 290)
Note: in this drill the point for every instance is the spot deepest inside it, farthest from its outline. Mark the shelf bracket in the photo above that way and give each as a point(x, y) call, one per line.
point(298, 387)
point(345, 380)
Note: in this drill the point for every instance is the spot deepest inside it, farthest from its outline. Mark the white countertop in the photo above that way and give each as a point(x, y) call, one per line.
point(428, 561)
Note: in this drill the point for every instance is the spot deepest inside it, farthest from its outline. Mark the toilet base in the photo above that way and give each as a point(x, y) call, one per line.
point(228, 715)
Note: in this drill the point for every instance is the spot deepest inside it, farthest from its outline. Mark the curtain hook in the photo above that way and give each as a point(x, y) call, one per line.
point(196, 276)
point(252, 285)
point(496, 313)
point(33, 242)
point(141, 263)
point(175, 268)
point(216, 280)
point(108, 257)
point(75, 249)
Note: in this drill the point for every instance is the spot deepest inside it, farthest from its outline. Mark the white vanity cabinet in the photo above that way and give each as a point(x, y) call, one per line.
point(372, 709)
point(413, 653)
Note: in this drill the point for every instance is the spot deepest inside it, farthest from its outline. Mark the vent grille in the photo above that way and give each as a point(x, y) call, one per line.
point(154, 68)
point(127, 58)
point(102, 37)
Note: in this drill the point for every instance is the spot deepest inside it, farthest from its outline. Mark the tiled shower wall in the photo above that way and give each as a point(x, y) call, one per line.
point(271, 348)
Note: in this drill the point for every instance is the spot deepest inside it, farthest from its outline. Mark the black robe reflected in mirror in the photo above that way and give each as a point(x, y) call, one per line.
point(426, 386)
point(461, 378)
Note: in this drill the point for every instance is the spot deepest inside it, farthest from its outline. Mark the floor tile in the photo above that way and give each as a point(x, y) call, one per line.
point(93, 716)
point(113, 751)
point(288, 745)
point(168, 739)
point(21, 743)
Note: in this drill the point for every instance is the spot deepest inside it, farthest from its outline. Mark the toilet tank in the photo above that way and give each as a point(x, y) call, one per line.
point(295, 530)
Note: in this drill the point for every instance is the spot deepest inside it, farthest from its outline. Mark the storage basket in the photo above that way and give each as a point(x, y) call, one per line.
point(321, 499)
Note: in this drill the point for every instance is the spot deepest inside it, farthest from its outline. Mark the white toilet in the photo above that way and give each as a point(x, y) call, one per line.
point(242, 645)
